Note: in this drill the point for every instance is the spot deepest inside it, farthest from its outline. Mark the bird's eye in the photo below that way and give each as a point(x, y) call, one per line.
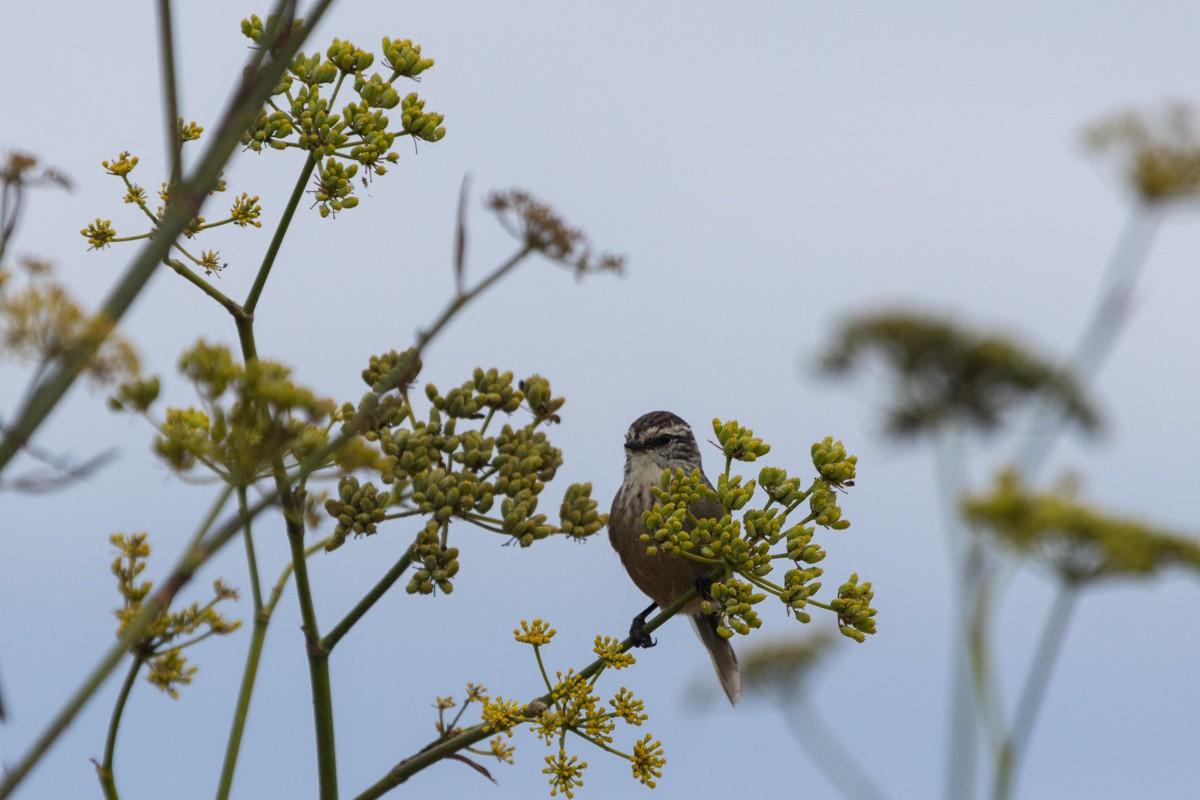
point(658, 441)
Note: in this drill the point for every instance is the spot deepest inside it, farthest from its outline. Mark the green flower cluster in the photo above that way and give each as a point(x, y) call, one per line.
point(454, 464)
point(946, 374)
point(304, 113)
point(436, 563)
point(1077, 541)
point(743, 546)
point(162, 644)
point(1160, 157)
point(249, 417)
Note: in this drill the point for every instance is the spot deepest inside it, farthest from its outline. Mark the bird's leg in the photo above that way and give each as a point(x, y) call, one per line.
point(704, 587)
point(638, 636)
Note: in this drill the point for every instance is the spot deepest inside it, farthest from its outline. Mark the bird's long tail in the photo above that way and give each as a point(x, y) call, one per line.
point(723, 658)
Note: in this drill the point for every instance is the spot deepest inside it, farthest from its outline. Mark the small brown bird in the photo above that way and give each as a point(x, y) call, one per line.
point(656, 442)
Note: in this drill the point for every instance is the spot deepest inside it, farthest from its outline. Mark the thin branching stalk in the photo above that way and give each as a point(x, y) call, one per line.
point(440, 749)
point(191, 277)
point(965, 553)
point(251, 556)
point(254, 652)
point(462, 298)
point(1099, 334)
point(363, 606)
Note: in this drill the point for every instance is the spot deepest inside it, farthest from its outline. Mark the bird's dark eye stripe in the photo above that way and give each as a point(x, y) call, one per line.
point(663, 439)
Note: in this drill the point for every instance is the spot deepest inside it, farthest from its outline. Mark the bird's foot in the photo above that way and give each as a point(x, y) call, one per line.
point(637, 635)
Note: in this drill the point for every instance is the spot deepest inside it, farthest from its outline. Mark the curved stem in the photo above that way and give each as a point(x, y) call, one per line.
point(104, 769)
point(537, 653)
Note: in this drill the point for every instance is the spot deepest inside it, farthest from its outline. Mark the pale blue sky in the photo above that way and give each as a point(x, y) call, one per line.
point(767, 170)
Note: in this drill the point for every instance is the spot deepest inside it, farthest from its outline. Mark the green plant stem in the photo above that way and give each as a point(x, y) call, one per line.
point(251, 557)
point(108, 780)
point(1095, 344)
point(318, 656)
point(241, 711)
point(210, 518)
point(987, 690)
point(364, 605)
point(1033, 692)
point(152, 607)
point(193, 190)
point(191, 277)
point(966, 557)
point(285, 221)
point(1099, 334)
point(836, 762)
point(166, 49)
point(262, 619)
point(461, 299)
point(258, 636)
point(441, 749)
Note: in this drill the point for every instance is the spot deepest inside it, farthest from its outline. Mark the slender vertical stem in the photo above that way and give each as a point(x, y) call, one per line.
point(251, 557)
point(318, 657)
point(966, 558)
point(1034, 691)
point(253, 653)
point(166, 47)
point(241, 712)
point(262, 618)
